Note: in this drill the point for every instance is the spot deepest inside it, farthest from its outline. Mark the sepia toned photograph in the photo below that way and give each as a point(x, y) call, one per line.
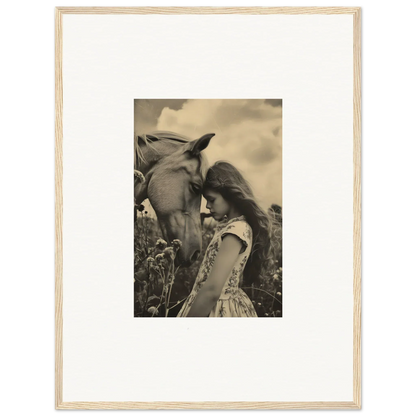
point(208, 208)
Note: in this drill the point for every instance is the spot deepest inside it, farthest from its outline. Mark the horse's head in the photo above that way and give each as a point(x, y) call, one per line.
point(174, 189)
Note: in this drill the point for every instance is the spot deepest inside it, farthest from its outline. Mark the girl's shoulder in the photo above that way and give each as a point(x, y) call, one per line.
point(238, 227)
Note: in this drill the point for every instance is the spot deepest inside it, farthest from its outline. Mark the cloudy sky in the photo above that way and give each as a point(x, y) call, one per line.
point(248, 134)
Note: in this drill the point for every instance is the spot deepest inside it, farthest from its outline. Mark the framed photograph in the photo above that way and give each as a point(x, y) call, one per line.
point(208, 165)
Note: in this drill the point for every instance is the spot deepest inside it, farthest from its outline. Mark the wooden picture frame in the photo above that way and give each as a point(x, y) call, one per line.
point(355, 403)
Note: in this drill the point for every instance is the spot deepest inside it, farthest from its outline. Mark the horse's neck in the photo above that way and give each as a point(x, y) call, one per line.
point(151, 156)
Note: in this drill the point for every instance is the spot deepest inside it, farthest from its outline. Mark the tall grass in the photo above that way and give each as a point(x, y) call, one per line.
point(160, 288)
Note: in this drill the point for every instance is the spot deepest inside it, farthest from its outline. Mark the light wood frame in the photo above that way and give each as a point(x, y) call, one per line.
point(356, 403)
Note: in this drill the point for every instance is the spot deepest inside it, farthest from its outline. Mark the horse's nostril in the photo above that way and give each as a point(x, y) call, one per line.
point(195, 255)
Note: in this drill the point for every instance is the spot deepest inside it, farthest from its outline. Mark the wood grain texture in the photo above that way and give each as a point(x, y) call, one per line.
point(357, 209)
point(356, 13)
point(208, 10)
point(58, 209)
point(208, 405)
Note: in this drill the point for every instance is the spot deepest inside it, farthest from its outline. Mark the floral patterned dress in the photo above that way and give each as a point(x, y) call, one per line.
point(233, 301)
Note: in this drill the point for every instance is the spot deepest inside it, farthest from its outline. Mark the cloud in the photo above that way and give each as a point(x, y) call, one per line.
point(274, 103)
point(248, 134)
point(264, 153)
point(147, 112)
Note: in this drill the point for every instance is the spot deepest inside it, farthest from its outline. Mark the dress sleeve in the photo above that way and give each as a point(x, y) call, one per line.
point(241, 230)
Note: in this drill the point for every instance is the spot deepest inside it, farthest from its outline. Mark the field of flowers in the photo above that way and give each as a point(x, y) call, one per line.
point(160, 288)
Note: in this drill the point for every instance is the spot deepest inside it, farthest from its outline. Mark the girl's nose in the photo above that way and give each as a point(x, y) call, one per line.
point(207, 206)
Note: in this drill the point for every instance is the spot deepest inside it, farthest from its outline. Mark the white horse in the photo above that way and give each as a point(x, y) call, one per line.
point(174, 170)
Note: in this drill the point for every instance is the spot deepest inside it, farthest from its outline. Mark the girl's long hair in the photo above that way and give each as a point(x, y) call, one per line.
point(225, 179)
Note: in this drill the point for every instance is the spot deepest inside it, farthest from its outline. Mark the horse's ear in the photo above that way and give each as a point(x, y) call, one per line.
point(197, 146)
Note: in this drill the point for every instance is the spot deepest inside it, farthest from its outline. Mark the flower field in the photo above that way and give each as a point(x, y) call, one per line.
point(160, 287)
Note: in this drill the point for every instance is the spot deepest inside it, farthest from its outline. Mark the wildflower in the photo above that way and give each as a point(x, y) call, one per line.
point(171, 279)
point(154, 268)
point(259, 304)
point(139, 176)
point(153, 310)
point(266, 314)
point(161, 244)
point(169, 253)
point(279, 293)
point(176, 244)
point(275, 277)
point(160, 258)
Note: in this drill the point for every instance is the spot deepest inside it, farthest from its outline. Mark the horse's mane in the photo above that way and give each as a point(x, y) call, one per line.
point(161, 135)
point(169, 136)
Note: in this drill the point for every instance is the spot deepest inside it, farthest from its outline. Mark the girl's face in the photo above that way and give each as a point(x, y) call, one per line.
point(217, 205)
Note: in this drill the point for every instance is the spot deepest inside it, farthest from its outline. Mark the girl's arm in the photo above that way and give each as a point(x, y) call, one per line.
point(211, 290)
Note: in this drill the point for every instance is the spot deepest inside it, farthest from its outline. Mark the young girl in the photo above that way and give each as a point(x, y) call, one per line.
point(239, 248)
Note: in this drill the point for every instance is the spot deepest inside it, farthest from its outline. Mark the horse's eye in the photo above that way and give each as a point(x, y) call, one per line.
point(196, 189)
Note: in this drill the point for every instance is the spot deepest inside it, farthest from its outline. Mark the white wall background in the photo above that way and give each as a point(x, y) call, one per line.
point(100, 334)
